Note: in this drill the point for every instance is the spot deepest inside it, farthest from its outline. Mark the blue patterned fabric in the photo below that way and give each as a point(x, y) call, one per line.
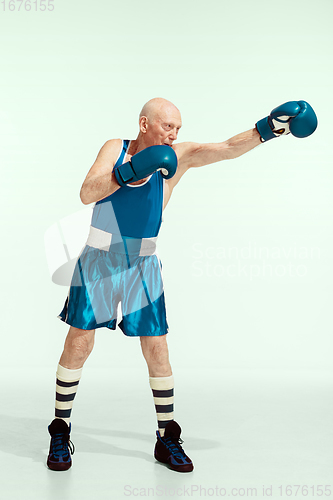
point(134, 211)
point(103, 278)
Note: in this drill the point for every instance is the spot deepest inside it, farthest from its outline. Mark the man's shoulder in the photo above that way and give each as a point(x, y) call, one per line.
point(186, 152)
point(184, 149)
point(107, 155)
point(110, 149)
point(113, 143)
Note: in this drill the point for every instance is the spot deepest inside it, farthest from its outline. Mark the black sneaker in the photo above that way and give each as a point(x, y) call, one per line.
point(168, 449)
point(61, 448)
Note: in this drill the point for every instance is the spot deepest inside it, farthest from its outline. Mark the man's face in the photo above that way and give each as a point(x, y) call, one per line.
point(163, 128)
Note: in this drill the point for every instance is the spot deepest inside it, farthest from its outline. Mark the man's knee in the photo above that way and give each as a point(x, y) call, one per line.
point(155, 349)
point(80, 341)
point(156, 353)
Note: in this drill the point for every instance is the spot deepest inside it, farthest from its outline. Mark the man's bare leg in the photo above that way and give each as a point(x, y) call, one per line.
point(156, 353)
point(78, 345)
point(168, 448)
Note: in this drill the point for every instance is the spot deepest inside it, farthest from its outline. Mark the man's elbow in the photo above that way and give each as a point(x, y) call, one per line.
point(84, 197)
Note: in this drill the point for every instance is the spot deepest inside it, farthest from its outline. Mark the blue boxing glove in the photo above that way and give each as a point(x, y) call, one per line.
point(147, 162)
point(295, 117)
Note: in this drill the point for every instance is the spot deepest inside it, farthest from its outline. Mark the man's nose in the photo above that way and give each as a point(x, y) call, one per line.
point(174, 134)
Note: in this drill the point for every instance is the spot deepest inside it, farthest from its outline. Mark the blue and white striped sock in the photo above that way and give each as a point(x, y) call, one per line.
point(67, 383)
point(162, 388)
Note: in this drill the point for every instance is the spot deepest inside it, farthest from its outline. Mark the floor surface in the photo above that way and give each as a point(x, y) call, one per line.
point(249, 434)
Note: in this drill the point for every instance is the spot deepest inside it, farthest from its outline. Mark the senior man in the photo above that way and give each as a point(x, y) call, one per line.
point(131, 183)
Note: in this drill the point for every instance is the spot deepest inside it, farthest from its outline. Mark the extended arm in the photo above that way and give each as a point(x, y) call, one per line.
point(197, 155)
point(192, 154)
point(295, 117)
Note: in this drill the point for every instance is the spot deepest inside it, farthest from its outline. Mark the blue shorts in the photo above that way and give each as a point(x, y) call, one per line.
point(110, 270)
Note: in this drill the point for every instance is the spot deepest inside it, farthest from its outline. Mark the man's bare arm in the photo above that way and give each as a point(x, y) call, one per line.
point(198, 155)
point(100, 181)
point(192, 154)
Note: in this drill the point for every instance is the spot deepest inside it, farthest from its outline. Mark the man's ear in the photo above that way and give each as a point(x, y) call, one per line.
point(143, 123)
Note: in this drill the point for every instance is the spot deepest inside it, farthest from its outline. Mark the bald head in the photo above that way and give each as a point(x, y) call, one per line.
point(157, 107)
point(159, 122)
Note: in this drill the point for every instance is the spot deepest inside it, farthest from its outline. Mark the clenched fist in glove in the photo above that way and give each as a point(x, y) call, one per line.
point(293, 117)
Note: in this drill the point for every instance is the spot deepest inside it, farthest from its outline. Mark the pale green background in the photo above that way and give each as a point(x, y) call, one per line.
point(75, 77)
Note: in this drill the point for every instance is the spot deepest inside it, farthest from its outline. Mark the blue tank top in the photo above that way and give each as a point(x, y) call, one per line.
point(134, 211)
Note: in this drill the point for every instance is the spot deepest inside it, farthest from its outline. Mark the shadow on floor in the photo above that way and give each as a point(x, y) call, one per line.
point(28, 437)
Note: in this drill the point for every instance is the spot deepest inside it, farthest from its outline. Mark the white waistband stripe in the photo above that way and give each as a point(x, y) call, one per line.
point(102, 240)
